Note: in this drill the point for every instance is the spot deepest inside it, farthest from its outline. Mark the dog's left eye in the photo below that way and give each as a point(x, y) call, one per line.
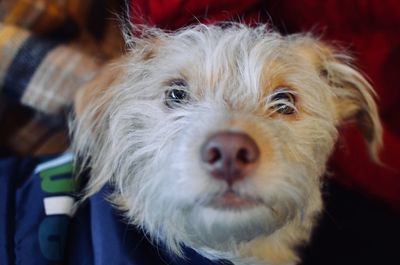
point(283, 101)
point(177, 95)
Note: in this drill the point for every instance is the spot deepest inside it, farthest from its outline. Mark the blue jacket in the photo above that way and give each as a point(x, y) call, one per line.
point(38, 224)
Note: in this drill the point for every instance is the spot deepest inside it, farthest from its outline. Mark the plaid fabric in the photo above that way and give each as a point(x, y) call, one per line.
point(40, 72)
point(40, 135)
point(23, 65)
point(40, 15)
point(11, 39)
point(57, 78)
point(42, 68)
point(43, 15)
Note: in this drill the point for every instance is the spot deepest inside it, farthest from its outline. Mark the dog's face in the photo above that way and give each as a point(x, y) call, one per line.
point(217, 138)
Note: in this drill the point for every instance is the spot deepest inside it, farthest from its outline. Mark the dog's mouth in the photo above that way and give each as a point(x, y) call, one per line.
point(232, 200)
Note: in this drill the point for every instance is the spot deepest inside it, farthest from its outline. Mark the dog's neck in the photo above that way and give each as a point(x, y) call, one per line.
point(263, 250)
point(269, 250)
point(276, 248)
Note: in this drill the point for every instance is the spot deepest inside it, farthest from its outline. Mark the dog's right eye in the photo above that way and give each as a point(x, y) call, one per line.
point(177, 93)
point(175, 97)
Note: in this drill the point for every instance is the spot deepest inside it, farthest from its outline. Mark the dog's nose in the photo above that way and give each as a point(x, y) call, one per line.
point(230, 156)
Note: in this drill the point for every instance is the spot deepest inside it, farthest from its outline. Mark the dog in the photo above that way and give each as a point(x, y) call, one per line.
point(217, 137)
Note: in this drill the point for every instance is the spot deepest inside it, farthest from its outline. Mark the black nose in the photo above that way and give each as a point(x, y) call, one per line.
point(230, 156)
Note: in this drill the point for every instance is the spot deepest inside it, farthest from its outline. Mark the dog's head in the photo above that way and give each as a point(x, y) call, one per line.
point(217, 137)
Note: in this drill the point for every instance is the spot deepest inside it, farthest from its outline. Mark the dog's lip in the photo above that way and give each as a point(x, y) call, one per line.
point(232, 200)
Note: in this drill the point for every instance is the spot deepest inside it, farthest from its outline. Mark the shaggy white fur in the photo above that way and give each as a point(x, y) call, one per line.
point(131, 133)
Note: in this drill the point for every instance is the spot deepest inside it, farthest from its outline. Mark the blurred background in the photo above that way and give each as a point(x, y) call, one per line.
point(50, 48)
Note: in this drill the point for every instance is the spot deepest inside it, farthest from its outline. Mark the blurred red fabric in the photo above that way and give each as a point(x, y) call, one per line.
point(173, 14)
point(368, 29)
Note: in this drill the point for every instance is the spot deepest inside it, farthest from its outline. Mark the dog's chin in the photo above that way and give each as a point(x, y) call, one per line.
point(228, 220)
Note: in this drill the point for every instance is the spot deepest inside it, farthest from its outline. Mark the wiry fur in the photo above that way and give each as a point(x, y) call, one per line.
point(128, 137)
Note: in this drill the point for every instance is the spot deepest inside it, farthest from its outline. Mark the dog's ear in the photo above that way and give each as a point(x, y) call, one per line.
point(96, 88)
point(354, 96)
point(141, 48)
point(89, 127)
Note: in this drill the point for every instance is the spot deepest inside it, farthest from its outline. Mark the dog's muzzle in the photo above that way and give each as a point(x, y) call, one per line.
point(230, 157)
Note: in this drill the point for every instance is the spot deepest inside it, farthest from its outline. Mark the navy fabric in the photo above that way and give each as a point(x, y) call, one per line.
point(12, 171)
point(33, 233)
point(25, 63)
point(100, 229)
point(7, 188)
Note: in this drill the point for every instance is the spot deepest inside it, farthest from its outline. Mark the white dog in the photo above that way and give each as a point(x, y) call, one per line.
point(216, 137)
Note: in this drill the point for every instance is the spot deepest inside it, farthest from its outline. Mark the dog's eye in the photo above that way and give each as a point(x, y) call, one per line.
point(177, 94)
point(175, 97)
point(283, 101)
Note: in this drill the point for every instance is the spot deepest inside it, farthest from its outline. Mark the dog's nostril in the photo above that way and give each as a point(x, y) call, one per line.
point(213, 155)
point(243, 155)
point(230, 156)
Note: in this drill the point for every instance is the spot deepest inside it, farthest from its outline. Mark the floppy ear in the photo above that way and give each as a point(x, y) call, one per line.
point(142, 49)
point(96, 87)
point(88, 128)
point(354, 98)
